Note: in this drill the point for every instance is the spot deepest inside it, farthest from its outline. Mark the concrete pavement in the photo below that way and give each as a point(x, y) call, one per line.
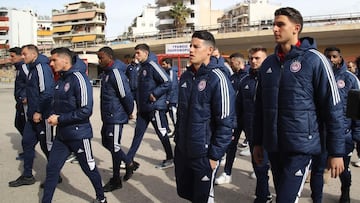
point(148, 184)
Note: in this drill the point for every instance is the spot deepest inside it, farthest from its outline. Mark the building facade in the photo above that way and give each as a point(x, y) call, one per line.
point(201, 17)
point(44, 33)
point(80, 23)
point(17, 28)
point(145, 24)
point(249, 14)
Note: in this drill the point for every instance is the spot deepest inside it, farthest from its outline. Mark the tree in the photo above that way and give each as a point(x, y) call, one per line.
point(179, 12)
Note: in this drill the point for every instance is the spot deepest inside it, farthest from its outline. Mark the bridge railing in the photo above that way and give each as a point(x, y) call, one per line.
point(319, 20)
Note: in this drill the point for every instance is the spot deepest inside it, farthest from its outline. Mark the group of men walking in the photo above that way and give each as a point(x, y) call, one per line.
point(290, 105)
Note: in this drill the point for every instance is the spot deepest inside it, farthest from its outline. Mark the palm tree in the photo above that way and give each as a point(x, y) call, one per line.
point(180, 12)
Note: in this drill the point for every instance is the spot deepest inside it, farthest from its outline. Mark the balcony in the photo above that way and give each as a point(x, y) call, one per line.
point(4, 18)
point(4, 28)
point(163, 9)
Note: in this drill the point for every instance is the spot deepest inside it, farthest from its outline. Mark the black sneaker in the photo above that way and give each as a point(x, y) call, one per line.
point(42, 185)
point(100, 201)
point(130, 168)
point(22, 180)
point(20, 156)
point(113, 184)
point(165, 164)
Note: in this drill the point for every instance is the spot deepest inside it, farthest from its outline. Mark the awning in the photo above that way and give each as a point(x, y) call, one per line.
point(66, 28)
point(44, 32)
point(74, 16)
point(86, 38)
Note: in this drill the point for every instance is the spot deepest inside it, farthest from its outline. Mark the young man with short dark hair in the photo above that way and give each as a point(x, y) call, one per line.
point(206, 117)
point(296, 100)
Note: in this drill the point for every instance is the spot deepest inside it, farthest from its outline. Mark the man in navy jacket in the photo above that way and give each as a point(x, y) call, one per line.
point(72, 109)
point(296, 99)
point(116, 104)
point(153, 85)
point(22, 72)
point(39, 93)
point(206, 116)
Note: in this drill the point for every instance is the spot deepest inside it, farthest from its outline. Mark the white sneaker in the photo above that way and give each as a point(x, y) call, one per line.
point(123, 165)
point(245, 152)
point(357, 164)
point(223, 160)
point(243, 145)
point(252, 175)
point(222, 179)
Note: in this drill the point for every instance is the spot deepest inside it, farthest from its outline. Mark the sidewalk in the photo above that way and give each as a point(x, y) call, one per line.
point(148, 184)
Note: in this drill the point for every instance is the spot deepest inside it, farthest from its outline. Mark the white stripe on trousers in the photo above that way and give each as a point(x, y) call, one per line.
point(162, 130)
point(307, 168)
point(90, 160)
point(211, 198)
point(116, 137)
point(48, 136)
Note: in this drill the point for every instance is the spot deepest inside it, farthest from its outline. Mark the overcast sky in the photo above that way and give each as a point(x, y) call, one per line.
point(120, 13)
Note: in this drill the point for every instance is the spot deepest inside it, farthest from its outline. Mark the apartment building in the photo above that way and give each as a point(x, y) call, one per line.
point(201, 17)
point(249, 14)
point(145, 24)
point(80, 23)
point(44, 33)
point(17, 28)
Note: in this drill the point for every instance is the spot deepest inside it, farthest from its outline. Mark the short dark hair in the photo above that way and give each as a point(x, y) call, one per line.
point(143, 47)
point(31, 47)
point(108, 51)
point(66, 52)
point(328, 49)
point(255, 49)
point(206, 36)
point(167, 60)
point(293, 14)
point(16, 50)
point(236, 55)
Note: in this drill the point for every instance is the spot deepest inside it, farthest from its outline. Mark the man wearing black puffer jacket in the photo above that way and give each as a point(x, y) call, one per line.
point(153, 85)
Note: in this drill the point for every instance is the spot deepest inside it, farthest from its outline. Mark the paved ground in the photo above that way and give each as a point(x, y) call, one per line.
point(148, 183)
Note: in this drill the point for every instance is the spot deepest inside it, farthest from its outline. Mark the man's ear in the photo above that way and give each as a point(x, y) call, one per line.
point(211, 49)
point(297, 28)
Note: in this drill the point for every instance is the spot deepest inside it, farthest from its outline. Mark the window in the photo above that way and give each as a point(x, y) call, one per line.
point(192, 15)
point(192, 2)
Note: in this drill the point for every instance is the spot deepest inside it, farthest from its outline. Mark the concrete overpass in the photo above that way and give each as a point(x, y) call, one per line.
point(344, 36)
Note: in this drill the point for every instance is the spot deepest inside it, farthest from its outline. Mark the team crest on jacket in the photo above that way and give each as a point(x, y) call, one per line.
point(340, 83)
point(66, 87)
point(295, 66)
point(202, 85)
point(144, 73)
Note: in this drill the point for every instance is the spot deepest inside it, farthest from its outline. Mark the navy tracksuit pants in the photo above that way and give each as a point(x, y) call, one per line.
point(159, 121)
point(20, 117)
point(262, 191)
point(289, 174)
point(59, 152)
point(231, 152)
point(34, 133)
point(111, 140)
point(194, 178)
point(319, 165)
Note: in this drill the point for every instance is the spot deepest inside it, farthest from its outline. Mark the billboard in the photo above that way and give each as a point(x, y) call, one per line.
point(179, 48)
